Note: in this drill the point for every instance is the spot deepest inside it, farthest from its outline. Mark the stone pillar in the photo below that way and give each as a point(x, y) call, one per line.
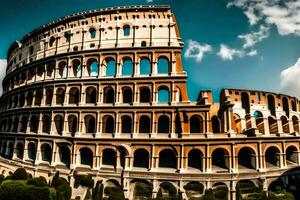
point(54, 150)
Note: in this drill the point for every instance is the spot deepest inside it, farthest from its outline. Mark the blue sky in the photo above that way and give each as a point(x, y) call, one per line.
point(253, 44)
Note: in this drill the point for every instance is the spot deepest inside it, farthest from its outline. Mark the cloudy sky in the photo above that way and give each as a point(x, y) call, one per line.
point(252, 44)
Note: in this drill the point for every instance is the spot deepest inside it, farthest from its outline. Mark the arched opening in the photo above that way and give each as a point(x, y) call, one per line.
point(141, 158)
point(259, 120)
point(9, 125)
point(196, 124)
point(3, 149)
point(127, 67)
point(46, 152)
point(22, 100)
point(49, 96)
point(16, 100)
point(245, 188)
point(24, 122)
point(90, 124)
point(40, 73)
point(29, 98)
point(276, 186)
point(271, 104)
point(31, 151)
point(92, 67)
point(122, 155)
point(15, 124)
point(220, 160)
point(109, 157)
point(110, 67)
point(145, 95)
point(195, 160)
point(108, 124)
point(126, 30)
point(142, 189)
point(86, 157)
point(238, 123)
point(246, 158)
point(295, 124)
point(163, 65)
point(220, 190)
point(74, 95)
point(59, 123)
point(34, 123)
point(285, 124)
point(163, 124)
point(91, 95)
point(285, 105)
point(145, 66)
point(76, 68)
point(92, 33)
point(167, 191)
point(144, 124)
point(109, 95)
point(51, 41)
point(126, 124)
point(19, 151)
point(72, 122)
point(127, 95)
point(50, 70)
point(273, 126)
point(272, 157)
point(294, 107)
point(291, 156)
point(10, 151)
point(46, 124)
point(194, 190)
point(38, 97)
point(163, 95)
point(215, 124)
point(245, 102)
point(65, 155)
point(62, 69)
point(167, 159)
point(60, 96)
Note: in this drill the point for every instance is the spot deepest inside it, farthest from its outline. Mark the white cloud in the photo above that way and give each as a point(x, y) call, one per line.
point(3, 64)
point(227, 53)
point(149, 1)
point(252, 53)
point(252, 38)
point(284, 14)
point(290, 81)
point(196, 50)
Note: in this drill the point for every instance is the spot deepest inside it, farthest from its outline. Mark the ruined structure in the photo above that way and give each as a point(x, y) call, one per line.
point(103, 92)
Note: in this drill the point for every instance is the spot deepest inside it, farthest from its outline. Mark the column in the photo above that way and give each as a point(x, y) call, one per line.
point(54, 150)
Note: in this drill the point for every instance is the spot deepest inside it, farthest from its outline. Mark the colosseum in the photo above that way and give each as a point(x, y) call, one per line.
point(103, 92)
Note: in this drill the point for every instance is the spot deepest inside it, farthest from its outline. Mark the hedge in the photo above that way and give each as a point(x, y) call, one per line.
point(39, 182)
point(19, 174)
point(84, 180)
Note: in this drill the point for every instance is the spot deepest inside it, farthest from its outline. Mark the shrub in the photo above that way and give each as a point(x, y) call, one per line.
point(2, 178)
point(142, 189)
point(98, 191)
point(114, 193)
point(39, 182)
point(169, 187)
point(19, 174)
point(62, 187)
point(84, 180)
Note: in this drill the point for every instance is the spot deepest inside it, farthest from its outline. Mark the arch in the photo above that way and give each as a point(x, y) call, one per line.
point(109, 157)
point(141, 158)
point(24, 122)
point(285, 124)
point(76, 68)
point(272, 157)
point(220, 160)
point(90, 124)
point(295, 123)
point(126, 124)
point(10, 150)
point(294, 106)
point(163, 95)
point(215, 124)
point(29, 98)
point(144, 124)
point(109, 95)
point(38, 97)
point(195, 157)
point(167, 191)
point(46, 124)
point(50, 70)
point(72, 122)
point(273, 126)
point(142, 189)
point(60, 96)
point(46, 152)
point(259, 120)
point(86, 157)
point(163, 124)
point(74, 95)
point(285, 106)
point(64, 155)
point(16, 100)
point(92, 67)
point(292, 155)
point(196, 124)
point(277, 185)
point(22, 100)
point(51, 41)
point(127, 67)
point(62, 69)
point(15, 124)
point(91, 95)
point(20, 151)
point(31, 148)
point(59, 123)
point(167, 159)
point(145, 66)
point(92, 32)
point(245, 102)
point(246, 158)
point(108, 124)
point(127, 95)
point(271, 104)
point(145, 95)
point(34, 124)
point(110, 66)
point(163, 65)
point(126, 30)
point(49, 96)
point(244, 187)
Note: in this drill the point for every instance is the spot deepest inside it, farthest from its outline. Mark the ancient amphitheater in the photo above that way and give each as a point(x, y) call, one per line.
point(103, 92)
